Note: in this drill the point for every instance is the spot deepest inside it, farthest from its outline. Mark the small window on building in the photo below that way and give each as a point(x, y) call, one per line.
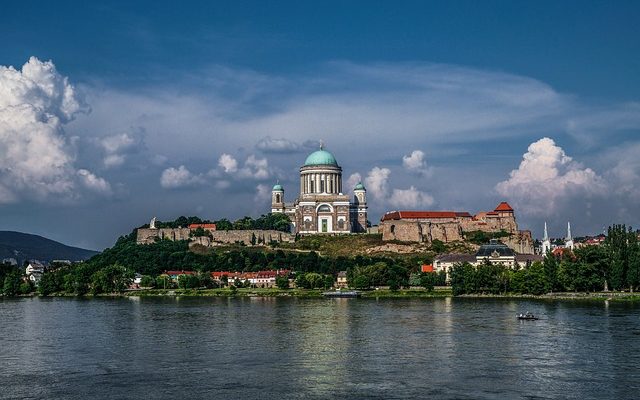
point(393, 228)
point(324, 208)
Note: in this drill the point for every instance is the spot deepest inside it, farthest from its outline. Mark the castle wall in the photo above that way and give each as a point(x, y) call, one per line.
point(453, 229)
point(148, 236)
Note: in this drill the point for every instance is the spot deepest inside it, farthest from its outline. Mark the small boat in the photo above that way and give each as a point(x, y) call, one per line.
point(527, 316)
point(341, 293)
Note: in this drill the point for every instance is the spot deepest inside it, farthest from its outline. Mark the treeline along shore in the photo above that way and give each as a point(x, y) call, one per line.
point(591, 271)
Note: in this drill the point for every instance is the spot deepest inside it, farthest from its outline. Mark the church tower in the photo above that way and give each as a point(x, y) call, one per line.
point(546, 243)
point(569, 241)
point(277, 199)
point(359, 208)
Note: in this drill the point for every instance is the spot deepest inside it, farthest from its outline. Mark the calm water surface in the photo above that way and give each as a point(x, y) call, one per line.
point(161, 348)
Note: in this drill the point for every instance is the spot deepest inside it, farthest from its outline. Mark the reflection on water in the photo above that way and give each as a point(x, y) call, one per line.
point(248, 348)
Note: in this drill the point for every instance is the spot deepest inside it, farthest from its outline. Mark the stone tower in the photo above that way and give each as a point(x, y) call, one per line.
point(277, 199)
point(359, 208)
point(546, 243)
point(569, 240)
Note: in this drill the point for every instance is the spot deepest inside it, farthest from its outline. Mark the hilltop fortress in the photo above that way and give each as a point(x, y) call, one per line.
point(451, 226)
point(321, 207)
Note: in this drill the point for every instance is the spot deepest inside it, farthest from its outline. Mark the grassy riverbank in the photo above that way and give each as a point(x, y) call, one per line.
point(274, 292)
point(381, 293)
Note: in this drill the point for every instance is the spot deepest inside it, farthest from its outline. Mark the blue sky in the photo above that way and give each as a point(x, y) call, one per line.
point(463, 91)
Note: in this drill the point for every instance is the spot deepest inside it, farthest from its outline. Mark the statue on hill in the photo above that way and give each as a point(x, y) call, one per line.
point(152, 224)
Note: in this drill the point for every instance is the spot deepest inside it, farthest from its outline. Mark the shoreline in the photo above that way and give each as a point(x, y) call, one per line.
point(365, 294)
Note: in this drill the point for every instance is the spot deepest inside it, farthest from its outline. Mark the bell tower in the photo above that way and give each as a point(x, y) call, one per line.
point(277, 198)
point(546, 243)
point(359, 208)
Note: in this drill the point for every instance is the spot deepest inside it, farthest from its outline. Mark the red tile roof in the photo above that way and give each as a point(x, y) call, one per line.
point(180, 272)
point(203, 226)
point(504, 206)
point(427, 268)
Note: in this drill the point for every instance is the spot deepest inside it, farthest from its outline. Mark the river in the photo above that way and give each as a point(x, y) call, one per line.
point(289, 348)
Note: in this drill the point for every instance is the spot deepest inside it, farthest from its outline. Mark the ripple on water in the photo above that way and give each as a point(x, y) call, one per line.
point(305, 348)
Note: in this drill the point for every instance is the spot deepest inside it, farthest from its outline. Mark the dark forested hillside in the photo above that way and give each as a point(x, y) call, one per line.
point(23, 246)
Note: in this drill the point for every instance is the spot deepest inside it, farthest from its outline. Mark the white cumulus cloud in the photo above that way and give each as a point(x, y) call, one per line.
point(93, 182)
point(263, 194)
point(352, 181)
point(255, 168)
point(410, 198)
point(36, 158)
point(377, 182)
point(118, 147)
point(547, 176)
point(173, 178)
point(228, 163)
point(415, 162)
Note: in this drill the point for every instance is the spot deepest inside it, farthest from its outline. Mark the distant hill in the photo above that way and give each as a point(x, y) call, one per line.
point(24, 246)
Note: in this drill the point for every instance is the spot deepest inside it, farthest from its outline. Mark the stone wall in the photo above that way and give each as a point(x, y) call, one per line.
point(147, 236)
point(522, 242)
point(451, 230)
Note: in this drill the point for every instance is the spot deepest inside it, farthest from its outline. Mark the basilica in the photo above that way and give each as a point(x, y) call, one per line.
point(321, 206)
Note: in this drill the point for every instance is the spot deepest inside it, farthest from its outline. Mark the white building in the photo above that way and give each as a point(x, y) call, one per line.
point(495, 252)
point(34, 271)
point(321, 206)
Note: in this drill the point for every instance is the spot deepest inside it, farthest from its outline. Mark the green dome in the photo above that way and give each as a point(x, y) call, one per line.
point(321, 157)
point(278, 187)
point(359, 186)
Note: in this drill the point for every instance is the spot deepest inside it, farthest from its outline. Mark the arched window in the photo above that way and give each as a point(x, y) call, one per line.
point(393, 228)
point(277, 198)
point(324, 208)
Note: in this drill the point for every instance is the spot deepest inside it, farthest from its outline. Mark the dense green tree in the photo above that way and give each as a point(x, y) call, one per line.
point(112, 279)
point(438, 246)
point(633, 264)
point(223, 225)
point(6, 269)
point(188, 281)
point(360, 282)
point(301, 281)
point(550, 267)
point(461, 276)
point(147, 281)
point(428, 280)
point(535, 279)
point(328, 281)
point(25, 287)
point(617, 248)
point(52, 282)
point(282, 282)
point(12, 282)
